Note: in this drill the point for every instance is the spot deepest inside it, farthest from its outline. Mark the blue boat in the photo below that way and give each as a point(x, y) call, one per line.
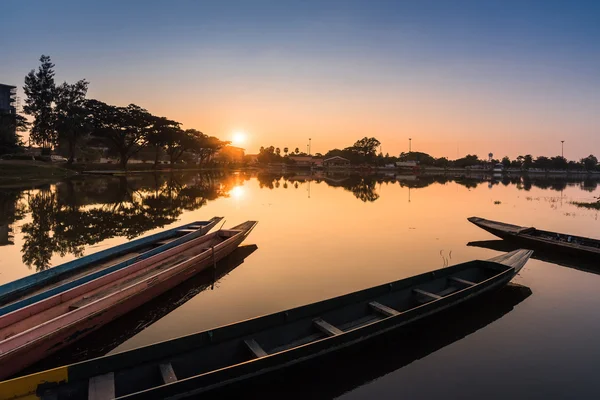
point(39, 286)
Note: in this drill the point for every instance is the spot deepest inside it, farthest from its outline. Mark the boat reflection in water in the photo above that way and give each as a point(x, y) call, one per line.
point(343, 371)
point(110, 336)
point(579, 263)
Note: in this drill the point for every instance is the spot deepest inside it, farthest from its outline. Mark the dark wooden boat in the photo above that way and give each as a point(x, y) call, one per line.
point(207, 360)
point(537, 239)
point(44, 284)
point(38, 330)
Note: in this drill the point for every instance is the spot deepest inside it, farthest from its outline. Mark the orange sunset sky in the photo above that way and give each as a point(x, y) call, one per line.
point(468, 77)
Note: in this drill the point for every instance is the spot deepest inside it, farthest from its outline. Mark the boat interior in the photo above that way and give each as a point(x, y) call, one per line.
point(227, 346)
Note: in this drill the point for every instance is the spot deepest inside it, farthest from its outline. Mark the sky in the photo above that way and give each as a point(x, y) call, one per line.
point(457, 77)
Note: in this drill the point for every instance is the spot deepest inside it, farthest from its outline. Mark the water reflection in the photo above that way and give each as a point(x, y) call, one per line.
point(68, 216)
point(335, 374)
point(10, 211)
point(108, 337)
point(547, 256)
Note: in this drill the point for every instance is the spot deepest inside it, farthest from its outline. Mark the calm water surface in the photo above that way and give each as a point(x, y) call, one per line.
point(324, 236)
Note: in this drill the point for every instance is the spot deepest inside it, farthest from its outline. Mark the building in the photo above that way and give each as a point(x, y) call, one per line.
point(302, 161)
point(8, 96)
point(336, 162)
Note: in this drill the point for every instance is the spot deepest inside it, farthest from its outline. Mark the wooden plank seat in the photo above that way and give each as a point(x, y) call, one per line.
point(102, 387)
point(255, 348)
point(167, 373)
point(187, 230)
point(428, 295)
point(326, 327)
point(385, 310)
point(461, 281)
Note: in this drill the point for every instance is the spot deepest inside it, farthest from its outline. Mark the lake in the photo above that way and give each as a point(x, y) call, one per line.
point(325, 235)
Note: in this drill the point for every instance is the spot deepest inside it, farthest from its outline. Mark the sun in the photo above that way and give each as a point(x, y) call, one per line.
point(239, 138)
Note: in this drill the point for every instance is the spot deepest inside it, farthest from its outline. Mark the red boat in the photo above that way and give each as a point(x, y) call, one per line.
point(34, 332)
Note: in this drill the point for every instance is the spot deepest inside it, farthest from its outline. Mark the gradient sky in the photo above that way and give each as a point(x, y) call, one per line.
point(508, 77)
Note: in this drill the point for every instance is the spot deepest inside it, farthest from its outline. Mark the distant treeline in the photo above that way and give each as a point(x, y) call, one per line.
point(64, 117)
point(364, 151)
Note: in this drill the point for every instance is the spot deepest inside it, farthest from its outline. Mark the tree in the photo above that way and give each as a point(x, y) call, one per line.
point(278, 151)
point(559, 162)
point(366, 147)
point(123, 129)
point(468, 161)
point(178, 141)
point(10, 124)
point(285, 150)
point(71, 120)
point(506, 162)
point(590, 162)
point(528, 161)
point(159, 134)
point(40, 91)
point(543, 162)
point(297, 150)
point(205, 147)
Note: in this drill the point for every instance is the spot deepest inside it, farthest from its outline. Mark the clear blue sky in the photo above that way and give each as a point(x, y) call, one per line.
point(503, 76)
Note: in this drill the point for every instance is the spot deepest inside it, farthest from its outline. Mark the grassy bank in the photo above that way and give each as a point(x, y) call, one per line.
point(14, 172)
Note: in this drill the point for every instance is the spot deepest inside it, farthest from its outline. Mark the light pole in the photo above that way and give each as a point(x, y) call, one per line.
point(409, 139)
point(309, 146)
point(562, 149)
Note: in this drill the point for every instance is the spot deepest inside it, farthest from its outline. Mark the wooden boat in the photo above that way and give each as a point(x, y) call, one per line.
point(113, 334)
point(39, 286)
point(40, 329)
point(207, 360)
point(341, 372)
point(541, 240)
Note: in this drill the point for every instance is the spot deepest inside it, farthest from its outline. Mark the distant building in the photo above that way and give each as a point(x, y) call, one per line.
point(8, 96)
point(406, 164)
point(302, 161)
point(336, 161)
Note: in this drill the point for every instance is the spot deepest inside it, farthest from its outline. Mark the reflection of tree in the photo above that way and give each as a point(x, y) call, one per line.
point(363, 189)
point(11, 210)
point(63, 223)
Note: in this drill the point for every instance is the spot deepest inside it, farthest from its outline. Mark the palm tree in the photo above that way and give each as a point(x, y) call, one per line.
point(278, 151)
point(296, 150)
point(285, 150)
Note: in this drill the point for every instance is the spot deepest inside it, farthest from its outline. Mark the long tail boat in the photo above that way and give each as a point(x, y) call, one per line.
point(40, 329)
point(540, 240)
point(39, 286)
point(198, 363)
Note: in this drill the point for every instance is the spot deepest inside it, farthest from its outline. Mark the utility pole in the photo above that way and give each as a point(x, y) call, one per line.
point(562, 149)
point(309, 146)
point(409, 148)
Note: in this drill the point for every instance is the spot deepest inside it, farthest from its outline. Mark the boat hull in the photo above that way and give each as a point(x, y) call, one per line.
point(105, 310)
point(518, 236)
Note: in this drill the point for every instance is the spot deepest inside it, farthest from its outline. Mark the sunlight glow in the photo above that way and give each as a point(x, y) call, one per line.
point(238, 138)
point(237, 192)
